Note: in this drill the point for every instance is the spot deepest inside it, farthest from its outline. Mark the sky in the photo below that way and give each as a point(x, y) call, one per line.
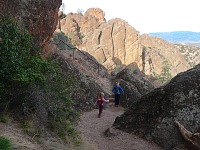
point(146, 16)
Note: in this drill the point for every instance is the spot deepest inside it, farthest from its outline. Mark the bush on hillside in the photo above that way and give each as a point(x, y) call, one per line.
point(17, 64)
point(61, 40)
point(5, 144)
point(33, 88)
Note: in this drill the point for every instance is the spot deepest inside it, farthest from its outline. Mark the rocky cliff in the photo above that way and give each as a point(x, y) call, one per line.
point(40, 17)
point(116, 44)
point(191, 53)
point(154, 115)
point(156, 51)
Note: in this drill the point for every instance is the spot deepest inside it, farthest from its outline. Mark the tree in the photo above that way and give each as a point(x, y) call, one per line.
point(165, 74)
point(80, 11)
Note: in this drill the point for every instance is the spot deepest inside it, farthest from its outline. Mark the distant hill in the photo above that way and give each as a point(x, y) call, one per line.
point(179, 37)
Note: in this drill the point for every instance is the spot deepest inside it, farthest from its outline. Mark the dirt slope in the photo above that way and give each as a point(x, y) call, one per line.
point(19, 140)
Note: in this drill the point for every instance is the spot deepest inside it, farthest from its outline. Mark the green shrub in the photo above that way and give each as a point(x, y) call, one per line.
point(5, 144)
point(62, 115)
point(17, 63)
point(3, 118)
point(30, 85)
point(57, 36)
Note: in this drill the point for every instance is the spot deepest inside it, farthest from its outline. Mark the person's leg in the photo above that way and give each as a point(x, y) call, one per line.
point(117, 100)
point(100, 111)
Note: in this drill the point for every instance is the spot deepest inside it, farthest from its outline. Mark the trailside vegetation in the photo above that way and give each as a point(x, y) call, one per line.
point(35, 90)
point(5, 143)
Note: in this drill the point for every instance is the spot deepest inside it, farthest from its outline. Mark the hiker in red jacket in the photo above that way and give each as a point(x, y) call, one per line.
point(100, 101)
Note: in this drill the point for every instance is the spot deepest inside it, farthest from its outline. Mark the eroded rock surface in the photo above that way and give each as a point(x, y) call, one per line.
point(154, 114)
point(135, 83)
point(115, 44)
point(40, 17)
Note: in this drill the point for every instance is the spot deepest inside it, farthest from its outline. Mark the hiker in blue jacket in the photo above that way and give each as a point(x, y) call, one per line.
point(117, 89)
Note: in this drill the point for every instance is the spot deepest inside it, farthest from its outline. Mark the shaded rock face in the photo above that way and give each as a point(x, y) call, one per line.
point(84, 71)
point(154, 114)
point(134, 83)
point(40, 17)
point(131, 94)
point(84, 89)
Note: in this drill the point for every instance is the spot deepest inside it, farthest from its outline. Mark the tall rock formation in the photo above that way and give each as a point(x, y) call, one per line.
point(116, 44)
point(40, 17)
point(76, 26)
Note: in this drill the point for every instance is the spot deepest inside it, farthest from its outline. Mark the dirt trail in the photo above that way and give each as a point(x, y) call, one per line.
point(92, 131)
point(93, 128)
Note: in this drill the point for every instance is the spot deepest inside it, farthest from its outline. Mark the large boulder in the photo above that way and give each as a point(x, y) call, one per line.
point(83, 68)
point(40, 17)
point(154, 115)
point(135, 84)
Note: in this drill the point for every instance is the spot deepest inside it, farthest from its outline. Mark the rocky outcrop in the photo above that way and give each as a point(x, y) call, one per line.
point(112, 43)
point(88, 80)
point(154, 114)
point(40, 17)
point(156, 51)
point(77, 26)
point(96, 13)
point(191, 53)
point(115, 44)
point(135, 84)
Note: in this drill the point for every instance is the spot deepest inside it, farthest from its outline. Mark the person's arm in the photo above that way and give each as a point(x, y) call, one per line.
point(95, 103)
point(121, 89)
point(106, 100)
point(113, 90)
